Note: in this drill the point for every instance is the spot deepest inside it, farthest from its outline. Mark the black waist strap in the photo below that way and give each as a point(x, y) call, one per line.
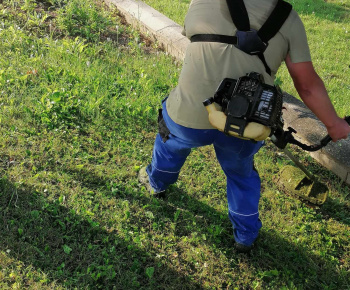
point(214, 38)
point(228, 40)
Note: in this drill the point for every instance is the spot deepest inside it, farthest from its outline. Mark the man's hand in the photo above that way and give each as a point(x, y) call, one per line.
point(339, 130)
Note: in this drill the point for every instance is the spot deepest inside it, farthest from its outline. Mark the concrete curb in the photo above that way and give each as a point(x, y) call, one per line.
point(153, 24)
point(335, 156)
point(166, 32)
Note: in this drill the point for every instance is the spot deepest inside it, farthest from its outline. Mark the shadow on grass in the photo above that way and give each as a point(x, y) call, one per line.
point(275, 257)
point(76, 251)
point(73, 250)
point(336, 210)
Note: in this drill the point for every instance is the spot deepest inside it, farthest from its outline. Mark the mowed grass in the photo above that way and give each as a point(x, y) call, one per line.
point(79, 93)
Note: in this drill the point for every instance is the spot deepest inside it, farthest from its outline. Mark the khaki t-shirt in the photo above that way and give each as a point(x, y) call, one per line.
point(207, 64)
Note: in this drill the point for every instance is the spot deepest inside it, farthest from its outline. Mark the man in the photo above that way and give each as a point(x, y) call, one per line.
point(185, 123)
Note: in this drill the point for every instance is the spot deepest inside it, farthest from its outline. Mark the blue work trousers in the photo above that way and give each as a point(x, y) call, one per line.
point(236, 159)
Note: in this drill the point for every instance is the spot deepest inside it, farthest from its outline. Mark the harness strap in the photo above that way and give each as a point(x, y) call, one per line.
point(275, 21)
point(228, 40)
point(263, 60)
point(239, 14)
point(240, 18)
point(214, 38)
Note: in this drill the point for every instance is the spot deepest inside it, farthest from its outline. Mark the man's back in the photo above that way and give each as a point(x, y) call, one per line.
point(207, 64)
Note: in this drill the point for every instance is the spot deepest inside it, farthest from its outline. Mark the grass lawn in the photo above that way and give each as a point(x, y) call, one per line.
point(79, 93)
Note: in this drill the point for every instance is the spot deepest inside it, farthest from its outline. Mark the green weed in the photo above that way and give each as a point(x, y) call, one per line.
point(82, 18)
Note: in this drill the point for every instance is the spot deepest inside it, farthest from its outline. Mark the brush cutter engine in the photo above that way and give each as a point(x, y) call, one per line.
point(249, 99)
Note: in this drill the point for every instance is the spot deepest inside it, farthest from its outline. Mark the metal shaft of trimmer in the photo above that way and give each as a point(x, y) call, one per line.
point(296, 161)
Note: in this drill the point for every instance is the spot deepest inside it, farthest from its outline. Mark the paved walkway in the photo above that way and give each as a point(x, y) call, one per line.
point(335, 157)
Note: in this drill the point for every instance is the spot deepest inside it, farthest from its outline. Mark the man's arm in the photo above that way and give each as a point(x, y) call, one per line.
point(312, 91)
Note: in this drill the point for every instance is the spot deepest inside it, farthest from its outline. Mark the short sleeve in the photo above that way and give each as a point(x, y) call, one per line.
point(299, 50)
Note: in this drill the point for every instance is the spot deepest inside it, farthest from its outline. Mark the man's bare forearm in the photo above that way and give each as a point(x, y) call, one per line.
point(316, 98)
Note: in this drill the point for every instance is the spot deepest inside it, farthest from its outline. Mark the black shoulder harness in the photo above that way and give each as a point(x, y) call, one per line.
point(249, 40)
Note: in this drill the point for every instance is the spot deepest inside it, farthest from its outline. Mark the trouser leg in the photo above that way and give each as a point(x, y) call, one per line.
point(169, 156)
point(167, 160)
point(243, 194)
point(243, 187)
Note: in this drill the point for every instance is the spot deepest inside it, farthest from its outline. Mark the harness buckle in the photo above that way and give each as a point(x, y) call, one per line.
point(250, 42)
